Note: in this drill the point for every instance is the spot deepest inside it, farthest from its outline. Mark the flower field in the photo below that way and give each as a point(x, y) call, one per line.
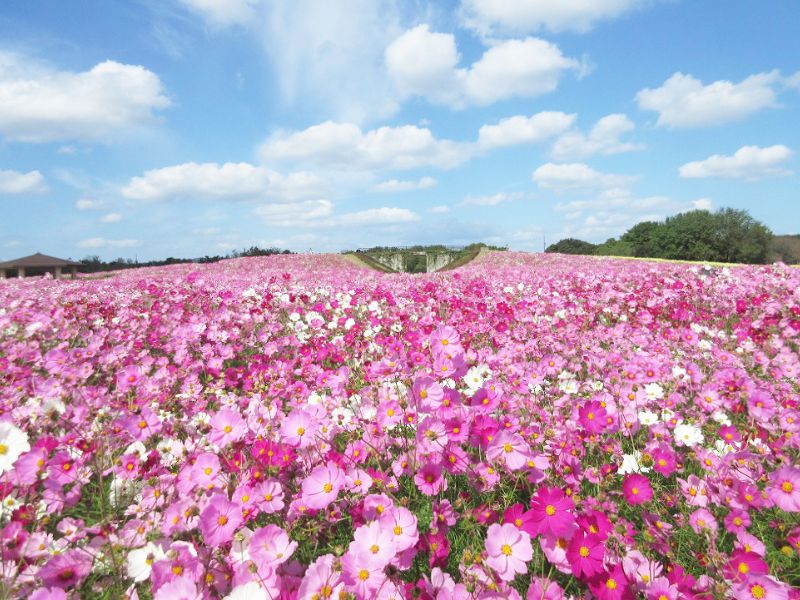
point(526, 426)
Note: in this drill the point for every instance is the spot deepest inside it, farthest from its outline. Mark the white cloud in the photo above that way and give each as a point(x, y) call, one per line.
point(395, 185)
point(574, 176)
point(493, 199)
point(111, 218)
point(89, 204)
point(613, 212)
point(683, 101)
point(425, 63)
point(327, 56)
point(229, 181)
point(318, 213)
point(748, 162)
point(489, 17)
point(602, 139)
point(41, 104)
point(440, 210)
point(14, 183)
point(98, 242)
point(521, 130)
point(346, 146)
point(223, 12)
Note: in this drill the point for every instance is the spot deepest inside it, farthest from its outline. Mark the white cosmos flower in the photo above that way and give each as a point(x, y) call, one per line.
point(688, 435)
point(631, 463)
point(647, 418)
point(13, 442)
point(653, 391)
point(721, 418)
point(140, 561)
point(251, 590)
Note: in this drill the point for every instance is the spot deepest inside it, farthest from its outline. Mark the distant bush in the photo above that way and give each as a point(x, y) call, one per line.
point(727, 235)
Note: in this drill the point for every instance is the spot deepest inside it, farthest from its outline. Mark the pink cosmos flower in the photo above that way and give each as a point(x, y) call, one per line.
point(661, 589)
point(743, 565)
point(509, 448)
point(592, 416)
point(180, 588)
point(784, 488)
point(585, 554)
point(428, 393)
point(552, 512)
point(611, 585)
point(509, 550)
point(444, 340)
point(544, 589)
point(761, 588)
point(375, 539)
point(269, 496)
point(702, 520)
point(664, 461)
point(321, 581)
point(737, 521)
point(519, 517)
point(48, 594)
point(298, 429)
point(362, 573)
point(402, 524)
point(429, 479)
point(219, 520)
point(322, 486)
point(637, 489)
point(271, 545)
point(66, 570)
point(227, 427)
point(555, 550)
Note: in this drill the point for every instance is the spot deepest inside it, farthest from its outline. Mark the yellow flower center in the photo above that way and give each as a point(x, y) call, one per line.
point(758, 591)
point(550, 510)
point(787, 486)
point(327, 487)
point(583, 551)
point(374, 548)
point(508, 448)
point(506, 549)
point(397, 530)
point(222, 520)
point(743, 568)
point(3, 449)
point(363, 574)
point(611, 584)
point(228, 428)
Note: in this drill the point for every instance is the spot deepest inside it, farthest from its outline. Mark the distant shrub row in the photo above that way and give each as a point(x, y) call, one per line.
point(727, 235)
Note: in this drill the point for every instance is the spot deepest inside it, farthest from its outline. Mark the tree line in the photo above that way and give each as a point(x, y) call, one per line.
point(727, 235)
point(93, 264)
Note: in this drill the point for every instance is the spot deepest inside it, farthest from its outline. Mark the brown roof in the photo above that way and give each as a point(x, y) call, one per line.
point(38, 260)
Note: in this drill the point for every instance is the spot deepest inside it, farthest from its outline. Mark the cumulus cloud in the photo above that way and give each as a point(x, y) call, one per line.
point(576, 176)
point(395, 185)
point(41, 104)
point(748, 162)
point(425, 63)
point(111, 218)
point(613, 212)
point(490, 17)
point(99, 242)
point(604, 138)
point(14, 183)
point(319, 213)
point(223, 13)
point(229, 181)
point(683, 101)
point(89, 204)
point(522, 130)
point(440, 210)
point(346, 146)
point(493, 199)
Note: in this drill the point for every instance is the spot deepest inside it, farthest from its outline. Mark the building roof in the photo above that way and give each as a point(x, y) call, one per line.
point(38, 260)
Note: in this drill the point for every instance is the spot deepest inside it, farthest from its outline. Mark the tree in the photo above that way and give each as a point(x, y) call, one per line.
point(641, 237)
point(613, 247)
point(740, 238)
point(572, 246)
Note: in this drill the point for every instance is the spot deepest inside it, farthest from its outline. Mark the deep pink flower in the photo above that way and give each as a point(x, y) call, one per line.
point(430, 480)
point(509, 550)
point(592, 416)
point(552, 512)
point(66, 570)
point(544, 589)
point(585, 554)
point(611, 585)
point(743, 565)
point(637, 489)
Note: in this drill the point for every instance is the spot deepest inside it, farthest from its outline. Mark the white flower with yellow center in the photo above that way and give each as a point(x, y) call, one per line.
point(139, 562)
point(688, 435)
point(13, 442)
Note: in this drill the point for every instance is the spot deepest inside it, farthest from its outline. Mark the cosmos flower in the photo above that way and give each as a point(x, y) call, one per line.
point(509, 550)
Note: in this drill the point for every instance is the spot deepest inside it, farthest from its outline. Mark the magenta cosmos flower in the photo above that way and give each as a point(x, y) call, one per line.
point(429, 479)
point(585, 554)
point(509, 550)
point(637, 489)
point(322, 486)
point(551, 512)
point(761, 588)
point(784, 489)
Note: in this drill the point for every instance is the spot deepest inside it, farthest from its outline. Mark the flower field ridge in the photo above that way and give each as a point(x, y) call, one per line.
point(299, 427)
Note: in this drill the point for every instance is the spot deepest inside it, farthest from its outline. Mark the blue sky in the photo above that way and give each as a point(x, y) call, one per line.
point(155, 128)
